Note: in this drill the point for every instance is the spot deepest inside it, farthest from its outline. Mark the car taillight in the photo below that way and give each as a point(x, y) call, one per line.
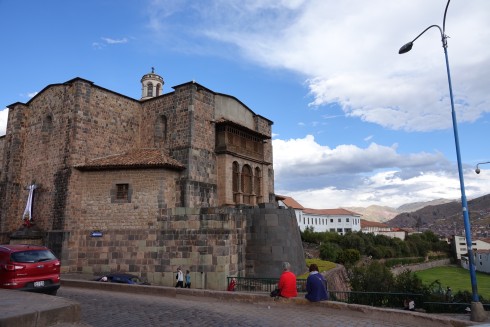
point(57, 263)
point(12, 267)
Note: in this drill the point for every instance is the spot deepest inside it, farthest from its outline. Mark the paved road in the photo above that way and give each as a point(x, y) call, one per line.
point(108, 309)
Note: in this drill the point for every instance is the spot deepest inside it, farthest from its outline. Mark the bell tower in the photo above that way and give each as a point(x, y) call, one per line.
point(151, 85)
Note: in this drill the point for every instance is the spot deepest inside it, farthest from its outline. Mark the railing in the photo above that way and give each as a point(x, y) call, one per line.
point(450, 307)
point(376, 299)
point(246, 284)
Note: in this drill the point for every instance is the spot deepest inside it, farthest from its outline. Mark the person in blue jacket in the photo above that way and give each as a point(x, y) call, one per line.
point(316, 285)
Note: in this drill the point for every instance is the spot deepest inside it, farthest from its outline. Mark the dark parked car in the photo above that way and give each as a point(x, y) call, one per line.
point(122, 278)
point(29, 268)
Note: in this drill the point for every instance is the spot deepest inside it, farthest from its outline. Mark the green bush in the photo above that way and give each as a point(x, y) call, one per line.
point(329, 251)
point(348, 257)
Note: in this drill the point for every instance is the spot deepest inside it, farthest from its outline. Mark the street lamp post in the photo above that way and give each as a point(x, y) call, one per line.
point(477, 311)
point(477, 170)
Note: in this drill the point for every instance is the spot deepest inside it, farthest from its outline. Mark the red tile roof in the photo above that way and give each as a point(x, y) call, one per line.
point(289, 201)
point(367, 223)
point(330, 212)
point(133, 159)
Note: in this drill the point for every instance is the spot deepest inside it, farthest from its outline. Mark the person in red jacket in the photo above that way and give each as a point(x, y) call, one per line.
point(287, 282)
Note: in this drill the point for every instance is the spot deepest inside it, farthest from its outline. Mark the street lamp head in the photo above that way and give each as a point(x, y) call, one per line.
point(477, 170)
point(407, 47)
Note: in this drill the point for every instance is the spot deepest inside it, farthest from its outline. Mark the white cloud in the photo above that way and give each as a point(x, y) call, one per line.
point(368, 138)
point(109, 41)
point(348, 52)
point(3, 121)
point(114, 41)
point(321, 177)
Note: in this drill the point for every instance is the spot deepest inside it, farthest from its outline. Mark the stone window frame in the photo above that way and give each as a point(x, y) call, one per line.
point(47, 127)
point(149, 89)
point(118, 187)
point(246, 183)
point(47, 123)
point(161, 130)
point(247, 179)
point(257, 183)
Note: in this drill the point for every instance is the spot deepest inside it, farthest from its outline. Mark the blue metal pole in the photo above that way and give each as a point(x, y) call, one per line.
point(464, 203)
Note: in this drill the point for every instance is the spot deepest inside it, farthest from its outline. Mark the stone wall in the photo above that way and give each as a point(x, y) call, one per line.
point(209, 242)
point(273, 237)
point(174, 218)
point(421, 266)
point(337, 279)
point(212, 243)
point(2, 147)
point(62, 126)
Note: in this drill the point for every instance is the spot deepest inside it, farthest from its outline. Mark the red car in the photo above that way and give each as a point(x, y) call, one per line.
point(31, 268)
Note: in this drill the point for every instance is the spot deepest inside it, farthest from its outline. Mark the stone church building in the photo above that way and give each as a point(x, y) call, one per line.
point(179, 179)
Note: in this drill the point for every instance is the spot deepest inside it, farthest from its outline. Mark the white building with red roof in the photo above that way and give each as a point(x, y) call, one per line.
point(337, 220)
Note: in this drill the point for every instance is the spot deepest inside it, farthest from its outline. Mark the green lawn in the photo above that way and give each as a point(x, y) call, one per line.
point(457, 278)
point(322, 266)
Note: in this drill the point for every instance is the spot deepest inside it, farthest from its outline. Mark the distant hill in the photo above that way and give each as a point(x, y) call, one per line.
point(409, 207)
point(383, 213)
point(447, 219)
point(375, 213)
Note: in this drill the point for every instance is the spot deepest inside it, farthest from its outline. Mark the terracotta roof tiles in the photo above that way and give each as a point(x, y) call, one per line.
point(290, 202)
point(133, 159)
point(330, 212)
point(368, 223)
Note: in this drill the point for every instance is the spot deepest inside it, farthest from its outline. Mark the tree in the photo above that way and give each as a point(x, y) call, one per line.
point(353, 241)
point(408, 282)
point(348, 257)
point(374, 277)
point(329, 251)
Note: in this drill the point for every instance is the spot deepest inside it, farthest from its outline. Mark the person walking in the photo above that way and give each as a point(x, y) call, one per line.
point(187, 279)
point(449, 294)
point(316, 285)
point(180, 278)
point(287, 282)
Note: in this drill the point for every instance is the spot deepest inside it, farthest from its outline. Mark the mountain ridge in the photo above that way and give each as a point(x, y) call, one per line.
point(447, 219)
point(383, 214)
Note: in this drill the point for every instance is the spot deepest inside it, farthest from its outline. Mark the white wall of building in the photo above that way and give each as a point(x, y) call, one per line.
point(481, 261)
point(461, 248)
point(340, 224)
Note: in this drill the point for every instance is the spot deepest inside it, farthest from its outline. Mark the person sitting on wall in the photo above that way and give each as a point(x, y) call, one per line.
point(316, 285)
point(287, 282)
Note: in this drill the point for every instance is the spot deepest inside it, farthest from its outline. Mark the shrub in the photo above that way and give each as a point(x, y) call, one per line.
point(329, 251)
point(348, 257)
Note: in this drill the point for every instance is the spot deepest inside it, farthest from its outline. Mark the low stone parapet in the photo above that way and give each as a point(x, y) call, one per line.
point(18, 308)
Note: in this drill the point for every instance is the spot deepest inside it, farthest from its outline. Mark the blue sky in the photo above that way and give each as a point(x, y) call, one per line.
point(355, 123)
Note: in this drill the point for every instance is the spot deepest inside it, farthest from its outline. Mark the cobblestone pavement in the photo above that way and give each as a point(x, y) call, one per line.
point(107, 309)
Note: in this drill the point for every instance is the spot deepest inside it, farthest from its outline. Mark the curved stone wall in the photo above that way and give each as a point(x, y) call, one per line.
point(273, 237)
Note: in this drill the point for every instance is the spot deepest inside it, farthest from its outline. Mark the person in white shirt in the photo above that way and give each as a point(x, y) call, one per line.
point(180, 278)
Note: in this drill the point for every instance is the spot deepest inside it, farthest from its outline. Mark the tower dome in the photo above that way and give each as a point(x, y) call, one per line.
point(151, 85)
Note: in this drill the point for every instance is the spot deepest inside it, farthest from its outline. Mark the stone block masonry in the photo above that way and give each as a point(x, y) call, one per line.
point(208, 244)
point(213, 243)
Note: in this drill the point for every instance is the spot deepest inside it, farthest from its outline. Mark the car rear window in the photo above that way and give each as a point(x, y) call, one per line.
point(32, 256)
